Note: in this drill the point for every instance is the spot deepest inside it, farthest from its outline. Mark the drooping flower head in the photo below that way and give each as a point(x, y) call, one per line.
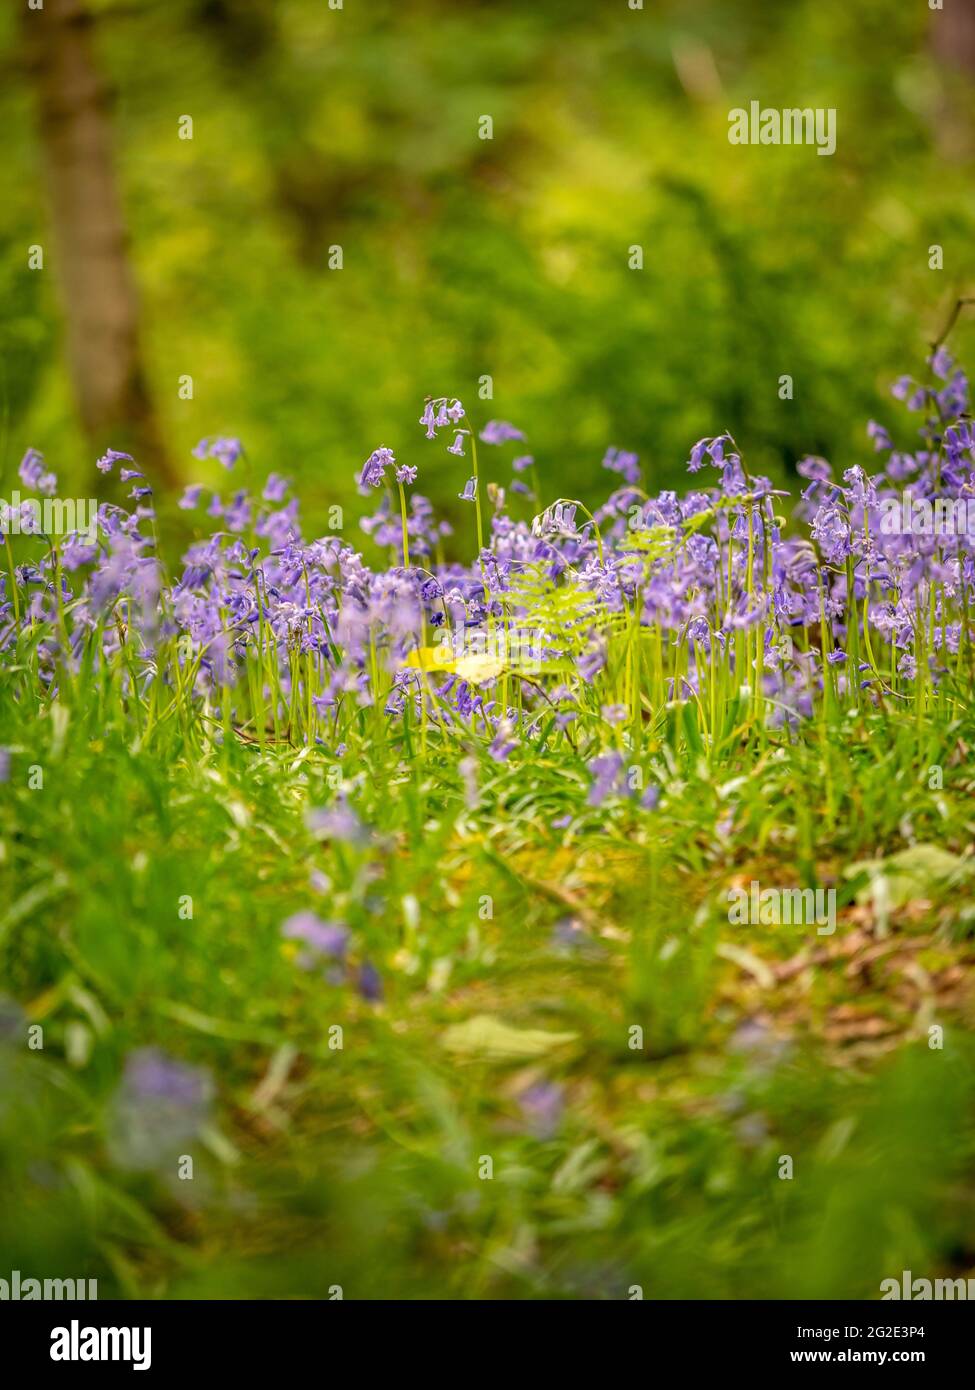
point(374, 469)
point(500, 432)
point(225, 449)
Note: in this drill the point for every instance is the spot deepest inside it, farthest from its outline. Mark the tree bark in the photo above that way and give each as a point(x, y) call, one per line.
point(953, 34)
point(101, 304)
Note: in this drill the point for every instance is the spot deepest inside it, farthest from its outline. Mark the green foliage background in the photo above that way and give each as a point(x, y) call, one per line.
point(359, 127)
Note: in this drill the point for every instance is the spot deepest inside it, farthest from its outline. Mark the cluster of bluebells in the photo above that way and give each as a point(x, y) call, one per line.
point(323, 948)
point(33, 474)
point(161, 1107)
point(715, 577)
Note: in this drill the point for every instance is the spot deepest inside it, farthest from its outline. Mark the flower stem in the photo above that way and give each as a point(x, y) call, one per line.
point(402, 512)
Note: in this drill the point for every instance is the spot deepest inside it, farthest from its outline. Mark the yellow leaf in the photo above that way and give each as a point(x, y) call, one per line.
point(478, 669)
point(430, 659)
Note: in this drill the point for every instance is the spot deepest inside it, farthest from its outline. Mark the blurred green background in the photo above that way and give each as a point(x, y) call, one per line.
point(358, 127)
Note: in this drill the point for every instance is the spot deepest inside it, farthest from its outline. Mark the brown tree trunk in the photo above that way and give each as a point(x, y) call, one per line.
point(953, 34)
point(90, 242)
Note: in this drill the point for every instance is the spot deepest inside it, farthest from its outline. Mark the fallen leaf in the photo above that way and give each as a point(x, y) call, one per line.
point(490, 1037)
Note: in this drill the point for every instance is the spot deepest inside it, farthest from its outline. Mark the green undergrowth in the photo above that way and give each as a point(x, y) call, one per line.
point(680, 1059)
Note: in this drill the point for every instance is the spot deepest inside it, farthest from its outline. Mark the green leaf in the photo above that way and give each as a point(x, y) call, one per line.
point(916, 872)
